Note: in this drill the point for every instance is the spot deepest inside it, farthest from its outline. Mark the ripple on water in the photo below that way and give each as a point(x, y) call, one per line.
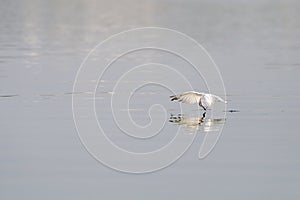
point(8, 95)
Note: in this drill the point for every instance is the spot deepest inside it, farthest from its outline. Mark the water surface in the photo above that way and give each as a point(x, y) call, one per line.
point(256, 47)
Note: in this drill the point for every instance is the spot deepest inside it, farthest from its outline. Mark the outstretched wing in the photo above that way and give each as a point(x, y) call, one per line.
point(187, 97)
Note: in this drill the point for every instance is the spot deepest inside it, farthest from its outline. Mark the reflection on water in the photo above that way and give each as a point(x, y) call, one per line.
point(202, 123)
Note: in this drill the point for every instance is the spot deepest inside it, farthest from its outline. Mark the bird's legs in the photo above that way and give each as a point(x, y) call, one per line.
point(201, 120)
point(200, 104)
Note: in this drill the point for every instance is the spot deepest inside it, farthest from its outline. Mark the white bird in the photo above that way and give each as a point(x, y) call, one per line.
point(203, 99)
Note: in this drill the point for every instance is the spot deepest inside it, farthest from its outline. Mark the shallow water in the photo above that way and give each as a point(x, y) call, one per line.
point(256, 46)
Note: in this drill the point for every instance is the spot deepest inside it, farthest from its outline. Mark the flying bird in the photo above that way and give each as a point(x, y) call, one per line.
point(203, 99)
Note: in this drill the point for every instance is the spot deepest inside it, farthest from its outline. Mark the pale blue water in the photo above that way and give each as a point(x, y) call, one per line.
point(256, 46)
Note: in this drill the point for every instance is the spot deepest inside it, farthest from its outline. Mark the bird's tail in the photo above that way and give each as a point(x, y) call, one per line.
point(220, 99)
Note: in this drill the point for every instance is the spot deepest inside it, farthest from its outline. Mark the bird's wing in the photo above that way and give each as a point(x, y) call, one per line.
point(187, 97)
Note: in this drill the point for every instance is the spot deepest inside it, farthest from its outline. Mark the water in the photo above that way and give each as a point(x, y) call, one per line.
point(256, 46)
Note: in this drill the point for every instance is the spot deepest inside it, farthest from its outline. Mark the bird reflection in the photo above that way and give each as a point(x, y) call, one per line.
point(197, 123)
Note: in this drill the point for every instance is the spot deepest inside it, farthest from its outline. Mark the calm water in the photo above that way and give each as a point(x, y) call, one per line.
point(256, 46)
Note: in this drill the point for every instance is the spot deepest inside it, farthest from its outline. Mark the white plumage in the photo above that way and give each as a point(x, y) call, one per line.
point(204, 100)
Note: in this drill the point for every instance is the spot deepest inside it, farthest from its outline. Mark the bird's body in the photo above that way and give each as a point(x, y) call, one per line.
point(203, 99)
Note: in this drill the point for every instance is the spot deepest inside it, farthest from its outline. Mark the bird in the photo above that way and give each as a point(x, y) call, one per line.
point(204, 100)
